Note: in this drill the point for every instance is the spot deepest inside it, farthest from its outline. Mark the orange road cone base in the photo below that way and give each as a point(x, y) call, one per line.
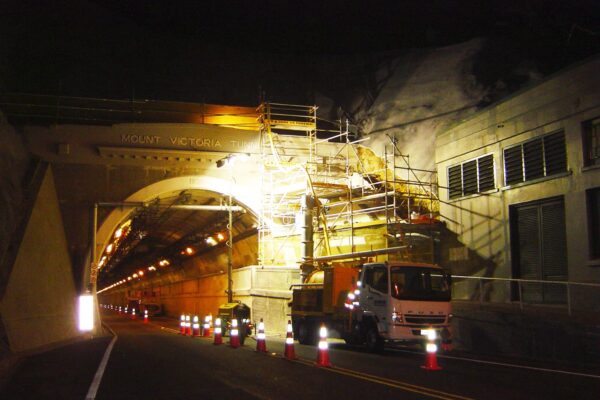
point(323, 359)
point(261, 346)
point(290, 353)
point(431, 363)
point(218, 339)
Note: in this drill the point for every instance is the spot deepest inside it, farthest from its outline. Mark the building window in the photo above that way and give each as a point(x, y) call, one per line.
point(591, 142)
point(534, 159)
point(593, 201)
point(539, 250)
point(471, 177)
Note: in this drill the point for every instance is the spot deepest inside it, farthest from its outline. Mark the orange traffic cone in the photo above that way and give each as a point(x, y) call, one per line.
point(323, 354)
point(182, 325)
point(195, 327)
point(234, 334)
point(289, 352)
point(145, 316)
point(261, 342)
point(431, 348)
point(207, 324)
point(218, 334)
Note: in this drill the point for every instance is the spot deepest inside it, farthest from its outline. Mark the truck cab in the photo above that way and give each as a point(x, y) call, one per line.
point(395, 301)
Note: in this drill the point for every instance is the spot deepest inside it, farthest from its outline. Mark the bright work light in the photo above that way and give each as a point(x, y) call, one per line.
point(86, 312)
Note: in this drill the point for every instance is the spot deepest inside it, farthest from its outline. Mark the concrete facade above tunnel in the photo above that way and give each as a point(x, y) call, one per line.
point(291, 183)
point(140, 162)
point(136, 162)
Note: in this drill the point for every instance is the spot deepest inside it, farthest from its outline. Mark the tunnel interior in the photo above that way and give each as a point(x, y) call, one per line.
point(163, 237)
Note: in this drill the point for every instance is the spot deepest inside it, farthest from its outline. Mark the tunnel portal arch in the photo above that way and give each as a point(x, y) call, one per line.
point(243, 193)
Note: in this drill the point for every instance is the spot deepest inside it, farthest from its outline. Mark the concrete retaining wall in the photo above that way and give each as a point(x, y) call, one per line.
point(536, 333)
point(38, 307)
point(264, 290)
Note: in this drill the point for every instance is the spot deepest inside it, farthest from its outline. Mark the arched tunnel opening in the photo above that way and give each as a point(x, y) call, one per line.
point(173, 252)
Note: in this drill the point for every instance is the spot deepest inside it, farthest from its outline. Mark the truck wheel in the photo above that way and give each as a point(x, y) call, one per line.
point(374, 341)
point(306, 334)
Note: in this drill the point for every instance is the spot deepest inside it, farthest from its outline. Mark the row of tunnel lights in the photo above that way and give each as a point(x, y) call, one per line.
point(123, 230)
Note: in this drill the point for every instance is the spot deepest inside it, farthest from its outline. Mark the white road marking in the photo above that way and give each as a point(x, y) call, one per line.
point(558, 371)
point(93, 390)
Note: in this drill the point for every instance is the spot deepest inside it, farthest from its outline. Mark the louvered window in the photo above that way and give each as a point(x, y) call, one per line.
point(534, 159)
point(539, 252)
point(471, 177)
point(593, 198)
point(591, 142)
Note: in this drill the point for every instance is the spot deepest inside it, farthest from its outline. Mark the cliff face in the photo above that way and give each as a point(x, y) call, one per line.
point(14, 159)
point(414, 96)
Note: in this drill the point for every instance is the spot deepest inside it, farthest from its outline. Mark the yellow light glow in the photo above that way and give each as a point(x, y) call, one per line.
point(164, 263)
point(118, 233)
point(220, 236)
point(135, 275)
point(211, 241)
point(109, 248)
point(152, 268)
point(141, 273)
point(129, 278)
point(189, 251)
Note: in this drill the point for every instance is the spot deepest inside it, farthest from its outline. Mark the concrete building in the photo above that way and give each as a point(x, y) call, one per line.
point(520, 193)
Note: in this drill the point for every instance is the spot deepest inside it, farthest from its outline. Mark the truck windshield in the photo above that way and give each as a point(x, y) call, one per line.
point(415, 283)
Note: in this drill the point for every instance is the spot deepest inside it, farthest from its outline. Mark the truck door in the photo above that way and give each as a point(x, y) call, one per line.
point(375, 293)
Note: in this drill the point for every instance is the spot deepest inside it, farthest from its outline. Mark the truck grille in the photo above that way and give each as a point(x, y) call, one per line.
point(425, 319)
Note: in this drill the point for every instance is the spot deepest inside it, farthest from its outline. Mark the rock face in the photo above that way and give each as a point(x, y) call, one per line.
point(14, 160)
point(416, 95)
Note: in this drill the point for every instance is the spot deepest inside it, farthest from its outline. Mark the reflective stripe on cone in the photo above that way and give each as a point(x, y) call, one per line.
point(431, 350)
point(234, 335)
point(323, 353)
point(261, 340)
point(289, 352)
point(218, 334)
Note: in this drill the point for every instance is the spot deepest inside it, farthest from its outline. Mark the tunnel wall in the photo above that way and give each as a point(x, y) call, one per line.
point(264, 290)
point(38, 307)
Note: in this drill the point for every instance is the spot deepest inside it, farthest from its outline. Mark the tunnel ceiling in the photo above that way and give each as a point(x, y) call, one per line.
point(163, 229)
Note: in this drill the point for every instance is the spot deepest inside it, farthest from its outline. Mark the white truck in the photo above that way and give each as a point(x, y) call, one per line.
point(373, 304)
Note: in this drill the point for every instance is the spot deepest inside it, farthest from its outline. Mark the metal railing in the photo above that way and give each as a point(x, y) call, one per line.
point(577, 296)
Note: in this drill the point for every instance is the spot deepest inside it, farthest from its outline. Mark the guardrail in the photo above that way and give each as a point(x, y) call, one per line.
point(573, 295)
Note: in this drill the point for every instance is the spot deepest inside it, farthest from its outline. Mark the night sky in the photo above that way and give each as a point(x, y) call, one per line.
point(234, 51)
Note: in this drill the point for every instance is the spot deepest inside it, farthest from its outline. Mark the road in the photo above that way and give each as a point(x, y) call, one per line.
point(152, 361)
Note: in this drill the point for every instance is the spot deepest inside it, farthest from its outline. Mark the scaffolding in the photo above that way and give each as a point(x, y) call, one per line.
point(360, 201)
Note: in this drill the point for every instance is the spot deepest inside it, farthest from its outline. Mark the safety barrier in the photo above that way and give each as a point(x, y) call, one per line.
point(574, 296)
point(234, 335)
point(323, 352)
point(430, 351)
point(195, 326)
point(218, 339)
point(207, 325)
point(289, 352)
point(261, 343)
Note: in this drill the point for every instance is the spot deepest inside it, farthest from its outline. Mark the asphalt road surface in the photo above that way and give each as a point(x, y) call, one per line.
point(152, 361)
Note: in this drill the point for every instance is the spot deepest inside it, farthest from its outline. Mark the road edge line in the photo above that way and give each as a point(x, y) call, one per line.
point(93, 390)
